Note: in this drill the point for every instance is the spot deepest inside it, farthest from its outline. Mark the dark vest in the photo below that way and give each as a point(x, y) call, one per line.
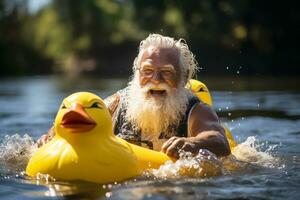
point(126, 130)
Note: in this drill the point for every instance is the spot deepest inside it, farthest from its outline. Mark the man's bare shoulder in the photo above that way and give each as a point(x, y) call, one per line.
point(205, 111)
point(112, 102)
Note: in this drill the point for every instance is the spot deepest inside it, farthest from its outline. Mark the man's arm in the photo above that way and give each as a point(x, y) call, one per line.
point(111, 102)
point(204, 132)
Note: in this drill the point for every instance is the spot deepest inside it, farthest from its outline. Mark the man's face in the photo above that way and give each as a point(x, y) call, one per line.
point(159, 66)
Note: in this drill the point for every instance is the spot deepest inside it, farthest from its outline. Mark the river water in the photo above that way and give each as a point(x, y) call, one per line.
point(266, 124)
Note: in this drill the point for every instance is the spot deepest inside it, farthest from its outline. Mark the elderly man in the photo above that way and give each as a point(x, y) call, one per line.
point(156, 110)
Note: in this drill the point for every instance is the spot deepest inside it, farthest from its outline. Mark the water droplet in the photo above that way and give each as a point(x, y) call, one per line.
point(227, 68)
point(229, 114)
point(220, 109)
point(108, 194)
point(238, 72)
point(226, 107)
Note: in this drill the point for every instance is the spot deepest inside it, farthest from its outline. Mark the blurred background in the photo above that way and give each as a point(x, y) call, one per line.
point(249, 38)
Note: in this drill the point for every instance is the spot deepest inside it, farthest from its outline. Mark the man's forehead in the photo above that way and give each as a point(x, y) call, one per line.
point(168, 55)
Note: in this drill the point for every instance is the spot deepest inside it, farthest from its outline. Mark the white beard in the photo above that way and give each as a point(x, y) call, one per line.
point(153, 116)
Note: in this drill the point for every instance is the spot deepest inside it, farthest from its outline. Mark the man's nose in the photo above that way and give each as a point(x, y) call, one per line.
point(156, 78)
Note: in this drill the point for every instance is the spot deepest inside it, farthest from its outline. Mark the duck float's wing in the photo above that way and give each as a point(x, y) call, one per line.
point(147, 158)
point(115, 161)
point(52, 158)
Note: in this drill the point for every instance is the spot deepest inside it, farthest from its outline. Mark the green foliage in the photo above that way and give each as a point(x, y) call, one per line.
point(88, 35)
point(51, 36)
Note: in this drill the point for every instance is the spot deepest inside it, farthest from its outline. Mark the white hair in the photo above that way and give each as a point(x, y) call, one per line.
point(187, 61)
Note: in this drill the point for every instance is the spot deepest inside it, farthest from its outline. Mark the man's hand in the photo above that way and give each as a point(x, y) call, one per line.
point(45, 138)
point(213, 141)
point(175, 144)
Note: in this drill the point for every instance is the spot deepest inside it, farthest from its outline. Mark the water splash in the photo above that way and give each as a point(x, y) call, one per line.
point(15, 151)
point(247, 156)
point(205, 164)
point(255, 152)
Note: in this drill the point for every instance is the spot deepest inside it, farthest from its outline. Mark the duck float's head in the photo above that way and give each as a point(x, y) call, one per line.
point(83, 115)
point(200, 90)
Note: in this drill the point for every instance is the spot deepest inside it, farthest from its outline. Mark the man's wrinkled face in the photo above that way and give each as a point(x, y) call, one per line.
point(159, 66)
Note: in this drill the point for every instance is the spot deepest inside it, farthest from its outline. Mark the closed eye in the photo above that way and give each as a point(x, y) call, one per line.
point(96, 105)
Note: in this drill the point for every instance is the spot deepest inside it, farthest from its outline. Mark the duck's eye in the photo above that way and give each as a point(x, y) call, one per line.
point(63, 106)
point(202, 90)
point(96, 105)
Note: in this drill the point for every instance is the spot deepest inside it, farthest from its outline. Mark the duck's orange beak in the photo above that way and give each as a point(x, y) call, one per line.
point(77, 120)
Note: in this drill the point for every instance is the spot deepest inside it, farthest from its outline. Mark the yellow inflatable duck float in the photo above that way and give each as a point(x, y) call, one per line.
point(85, 147)
point(202, 92)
